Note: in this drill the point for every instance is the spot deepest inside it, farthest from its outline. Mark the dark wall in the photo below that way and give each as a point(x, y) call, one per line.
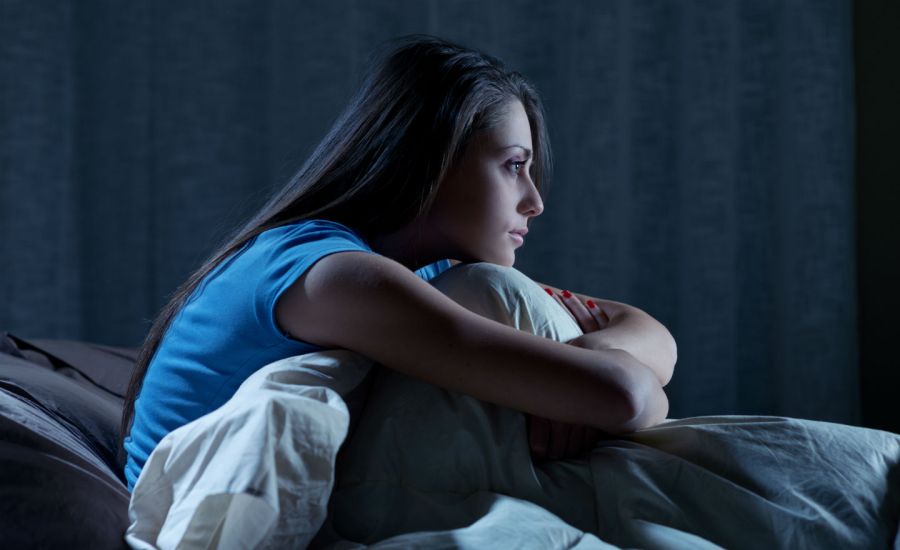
point(877, 57)
point(705, 165)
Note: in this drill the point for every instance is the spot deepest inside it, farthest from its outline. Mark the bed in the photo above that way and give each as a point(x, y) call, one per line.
point(329, 450)
point(60, 407)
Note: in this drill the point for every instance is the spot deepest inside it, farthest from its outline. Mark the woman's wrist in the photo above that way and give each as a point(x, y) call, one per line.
point(628, 328)
point(606, 340)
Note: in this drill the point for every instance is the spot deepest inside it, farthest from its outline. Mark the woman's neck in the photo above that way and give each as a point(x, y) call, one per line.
point(408, 246)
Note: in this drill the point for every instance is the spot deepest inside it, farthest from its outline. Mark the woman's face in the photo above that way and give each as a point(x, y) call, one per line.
point(489, 193)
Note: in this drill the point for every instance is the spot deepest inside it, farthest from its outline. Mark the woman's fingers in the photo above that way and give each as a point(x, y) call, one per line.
point(561, 303)
point(588, 321)
point(588, 315)
point(597, 313)
point(600, 315)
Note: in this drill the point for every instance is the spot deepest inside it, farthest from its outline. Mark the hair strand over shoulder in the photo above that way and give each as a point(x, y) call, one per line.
point(379, 166)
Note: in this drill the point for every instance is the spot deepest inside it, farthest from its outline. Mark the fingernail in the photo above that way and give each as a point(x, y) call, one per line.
point(550, 292)
point(591, 304)
point(567, 294)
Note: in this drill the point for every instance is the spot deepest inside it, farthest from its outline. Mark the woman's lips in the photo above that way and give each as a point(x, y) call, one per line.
point(519, 238)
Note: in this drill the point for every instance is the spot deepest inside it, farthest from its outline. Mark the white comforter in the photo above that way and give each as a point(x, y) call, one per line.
point(428, 468)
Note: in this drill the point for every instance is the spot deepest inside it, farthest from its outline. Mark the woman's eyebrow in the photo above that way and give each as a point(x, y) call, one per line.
point(526, 149)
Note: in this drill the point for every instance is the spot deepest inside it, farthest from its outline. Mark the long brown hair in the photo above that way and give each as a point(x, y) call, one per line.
point(380, 165)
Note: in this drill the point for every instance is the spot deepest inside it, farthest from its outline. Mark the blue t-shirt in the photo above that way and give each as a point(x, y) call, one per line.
point(227, 330)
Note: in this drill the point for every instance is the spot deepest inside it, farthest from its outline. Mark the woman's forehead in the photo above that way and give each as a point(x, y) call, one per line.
point(512, 130)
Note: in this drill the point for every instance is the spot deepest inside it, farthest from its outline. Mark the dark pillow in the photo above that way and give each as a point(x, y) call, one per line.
point(60, 408)
point(106, 367)
point(55, 492)
point(90, 409)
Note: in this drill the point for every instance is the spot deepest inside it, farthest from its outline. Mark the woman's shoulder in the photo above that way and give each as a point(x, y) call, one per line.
point(313, 225)
point(312, 230)
point(319, 236)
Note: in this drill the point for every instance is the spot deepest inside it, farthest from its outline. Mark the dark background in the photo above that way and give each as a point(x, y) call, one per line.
point(876, 49)
point(730, 167)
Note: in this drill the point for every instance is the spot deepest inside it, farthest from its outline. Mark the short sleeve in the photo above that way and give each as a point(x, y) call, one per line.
point(431, 271)
point(288, 252)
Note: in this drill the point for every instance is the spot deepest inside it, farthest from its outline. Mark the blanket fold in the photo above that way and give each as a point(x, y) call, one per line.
point(428, 467)
point(256, 472)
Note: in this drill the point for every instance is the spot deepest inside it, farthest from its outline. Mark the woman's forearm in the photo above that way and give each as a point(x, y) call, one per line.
point(655, 407)
point(630, 329)
point(640, 335)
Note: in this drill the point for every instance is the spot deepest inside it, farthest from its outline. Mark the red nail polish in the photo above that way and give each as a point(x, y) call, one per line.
point(567, 294)
point(550, 292)
point(591, 304)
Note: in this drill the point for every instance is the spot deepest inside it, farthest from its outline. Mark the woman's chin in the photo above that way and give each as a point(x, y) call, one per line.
point(505, 258)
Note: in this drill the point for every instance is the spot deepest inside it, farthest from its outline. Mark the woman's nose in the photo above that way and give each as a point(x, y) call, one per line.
point(533, 200)
point(537, 206)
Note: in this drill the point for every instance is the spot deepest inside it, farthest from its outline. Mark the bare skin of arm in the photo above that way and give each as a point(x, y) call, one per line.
point(627, 328)
point(630, 329)
point(377, 307)
point(553, 439)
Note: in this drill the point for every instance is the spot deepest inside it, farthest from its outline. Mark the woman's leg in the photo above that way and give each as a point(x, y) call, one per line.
point(736, 480)
point(508, 296)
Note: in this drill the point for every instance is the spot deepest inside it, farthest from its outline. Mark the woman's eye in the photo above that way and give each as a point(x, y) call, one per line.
point(516, 165)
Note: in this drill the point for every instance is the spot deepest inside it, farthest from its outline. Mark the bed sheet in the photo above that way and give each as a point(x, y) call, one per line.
point(427, 467)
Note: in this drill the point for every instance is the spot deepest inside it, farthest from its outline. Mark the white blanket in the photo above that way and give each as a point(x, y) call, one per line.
point(256, 472)
point(426, 467)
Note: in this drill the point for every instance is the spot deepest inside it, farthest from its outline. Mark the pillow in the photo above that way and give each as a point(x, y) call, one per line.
point(91, 409)
point(105, 367)
point(55, 492)
point(60, 485)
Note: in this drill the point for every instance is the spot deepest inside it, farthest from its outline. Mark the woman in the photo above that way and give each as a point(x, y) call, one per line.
point(440, 155)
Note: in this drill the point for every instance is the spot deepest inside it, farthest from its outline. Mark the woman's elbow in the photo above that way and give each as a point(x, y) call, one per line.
point(667, 368)
point(648, 404)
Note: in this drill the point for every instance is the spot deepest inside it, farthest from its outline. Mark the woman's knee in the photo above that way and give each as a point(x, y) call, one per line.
point(508, 296)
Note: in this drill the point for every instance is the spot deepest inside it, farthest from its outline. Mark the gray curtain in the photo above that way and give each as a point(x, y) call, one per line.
point(704, 164)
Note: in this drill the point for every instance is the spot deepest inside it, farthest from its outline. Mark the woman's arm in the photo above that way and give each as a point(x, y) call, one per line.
point(375, 306)
point(553, 439)
point(630, 329)
point(627, 328)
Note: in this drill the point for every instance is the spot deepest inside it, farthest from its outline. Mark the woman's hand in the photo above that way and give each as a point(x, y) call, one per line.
point(557, 440)
point(589, 316)
point(634, 331)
